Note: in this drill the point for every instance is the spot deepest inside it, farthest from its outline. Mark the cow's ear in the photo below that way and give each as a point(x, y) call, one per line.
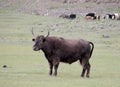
point(33, 39)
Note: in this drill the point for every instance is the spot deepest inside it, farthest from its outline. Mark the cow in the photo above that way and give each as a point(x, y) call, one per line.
point(59, 49)
point(96, 17)
point(72, 16)
point(92, 16)
point(109, 16)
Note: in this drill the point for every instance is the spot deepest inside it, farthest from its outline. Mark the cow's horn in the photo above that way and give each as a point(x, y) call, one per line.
point(32, 32)
point(48, 34)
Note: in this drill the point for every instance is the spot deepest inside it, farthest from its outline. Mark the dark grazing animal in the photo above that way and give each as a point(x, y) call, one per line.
point(70, 16)
point(92, 16)
point(58, 49)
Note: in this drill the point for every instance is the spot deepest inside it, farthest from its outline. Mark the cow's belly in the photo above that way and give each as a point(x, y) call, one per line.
point(69, 59)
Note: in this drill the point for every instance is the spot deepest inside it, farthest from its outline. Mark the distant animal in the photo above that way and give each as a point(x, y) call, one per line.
point(117, 16)
point(71, 16)
point(97, 17)
point(109, 16)
point(58, 49)
point(92, 16)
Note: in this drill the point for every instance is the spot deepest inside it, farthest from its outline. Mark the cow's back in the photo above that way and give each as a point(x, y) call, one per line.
point(68, 50)
point(72, 50)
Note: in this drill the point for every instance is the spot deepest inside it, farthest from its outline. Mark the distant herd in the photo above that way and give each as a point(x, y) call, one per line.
point(93, 16)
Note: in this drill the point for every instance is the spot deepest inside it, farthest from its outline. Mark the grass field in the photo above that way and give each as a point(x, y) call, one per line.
point(26, 68)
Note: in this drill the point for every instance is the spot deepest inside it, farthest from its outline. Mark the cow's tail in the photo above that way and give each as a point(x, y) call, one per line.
point(92, 47)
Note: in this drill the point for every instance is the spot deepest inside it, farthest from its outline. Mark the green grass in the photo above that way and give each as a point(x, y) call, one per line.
point(27, 68)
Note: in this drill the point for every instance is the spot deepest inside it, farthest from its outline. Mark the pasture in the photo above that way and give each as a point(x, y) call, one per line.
point(26, 68)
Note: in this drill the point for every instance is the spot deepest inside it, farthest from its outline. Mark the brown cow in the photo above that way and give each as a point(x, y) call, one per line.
point(58, 49)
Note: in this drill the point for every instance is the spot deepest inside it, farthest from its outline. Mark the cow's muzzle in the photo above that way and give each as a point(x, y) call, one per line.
point(36, 49)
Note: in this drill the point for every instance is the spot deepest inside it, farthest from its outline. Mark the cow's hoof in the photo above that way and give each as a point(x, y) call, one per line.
point(55, 74)
point(82, 75)
point(50, 73)
point(87, 76)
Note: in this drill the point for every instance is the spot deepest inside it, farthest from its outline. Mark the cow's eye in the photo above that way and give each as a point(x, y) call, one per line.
point(33, 39)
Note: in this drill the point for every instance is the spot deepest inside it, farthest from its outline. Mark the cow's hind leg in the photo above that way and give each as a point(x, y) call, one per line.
point(83, 71)
point(83, 62)
point(88, 70)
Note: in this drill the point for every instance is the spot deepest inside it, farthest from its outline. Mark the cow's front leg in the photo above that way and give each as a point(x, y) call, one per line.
point(56, 64)
point(51, 68)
